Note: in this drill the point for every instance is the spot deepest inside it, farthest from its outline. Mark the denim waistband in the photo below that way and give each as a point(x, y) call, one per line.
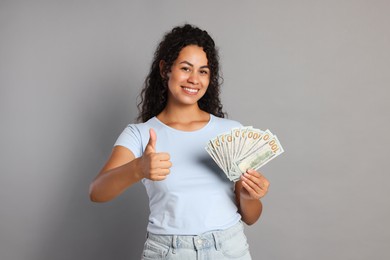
point(198, 242)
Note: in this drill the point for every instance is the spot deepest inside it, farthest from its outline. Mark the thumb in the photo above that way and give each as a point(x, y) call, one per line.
point(152, 140)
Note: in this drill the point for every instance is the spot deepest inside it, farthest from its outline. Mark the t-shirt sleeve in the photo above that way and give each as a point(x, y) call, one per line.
point(131, 139)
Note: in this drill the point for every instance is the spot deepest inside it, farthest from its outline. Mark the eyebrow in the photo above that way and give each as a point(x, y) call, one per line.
point(189, 64)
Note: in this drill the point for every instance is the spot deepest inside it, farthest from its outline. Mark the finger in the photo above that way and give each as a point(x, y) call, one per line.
point(152, 140)
point(255, 186)
point(254, 190)
point(258, 178)
point(159, 178)
point(163, 164)
point(164, 171)
point(160, 174)
point(251, 191)
point(254, 173)
point(252, 177)
point(259, 188)
point(159, 171)
point(163, 156)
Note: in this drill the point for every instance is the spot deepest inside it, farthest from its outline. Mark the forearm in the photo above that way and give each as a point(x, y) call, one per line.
point(113, 182)
point(250, 210)
point(249, 189)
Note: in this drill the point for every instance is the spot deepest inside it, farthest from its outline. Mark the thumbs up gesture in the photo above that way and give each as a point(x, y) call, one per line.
point(154, 166)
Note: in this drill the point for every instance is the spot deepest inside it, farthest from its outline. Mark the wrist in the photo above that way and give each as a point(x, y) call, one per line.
point(136, 169)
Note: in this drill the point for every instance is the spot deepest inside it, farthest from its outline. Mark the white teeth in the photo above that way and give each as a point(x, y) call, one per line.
point(191, 90)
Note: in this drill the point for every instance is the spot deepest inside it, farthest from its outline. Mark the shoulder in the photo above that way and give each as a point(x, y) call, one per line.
point(135, 137)
point(135, 132)
point(141, 128)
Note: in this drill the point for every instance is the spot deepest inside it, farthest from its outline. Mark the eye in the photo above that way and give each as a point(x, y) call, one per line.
point(185, 69)
point(204, 72)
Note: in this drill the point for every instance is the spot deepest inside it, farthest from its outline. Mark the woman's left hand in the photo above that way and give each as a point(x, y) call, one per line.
point(254, 185)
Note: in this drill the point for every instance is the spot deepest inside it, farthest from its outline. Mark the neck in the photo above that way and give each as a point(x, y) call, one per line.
point(186, 118)
point(182, 113)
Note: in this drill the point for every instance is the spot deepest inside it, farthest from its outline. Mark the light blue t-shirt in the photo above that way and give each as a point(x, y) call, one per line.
point(196, 196)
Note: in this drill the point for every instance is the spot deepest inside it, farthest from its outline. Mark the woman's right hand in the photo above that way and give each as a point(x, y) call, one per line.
point(154, 166)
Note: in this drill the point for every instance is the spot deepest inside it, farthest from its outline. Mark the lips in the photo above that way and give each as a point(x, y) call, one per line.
point(191, 91)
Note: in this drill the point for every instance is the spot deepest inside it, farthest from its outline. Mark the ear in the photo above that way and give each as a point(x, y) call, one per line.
point(162, 68)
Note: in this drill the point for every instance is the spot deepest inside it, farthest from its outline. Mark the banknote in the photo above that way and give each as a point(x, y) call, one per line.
point(243, 148)
point(261, 156)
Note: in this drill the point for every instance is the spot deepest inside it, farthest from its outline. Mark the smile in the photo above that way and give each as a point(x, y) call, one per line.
point(191, 90)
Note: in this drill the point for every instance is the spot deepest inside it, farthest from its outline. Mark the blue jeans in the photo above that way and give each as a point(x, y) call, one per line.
point(223, 244)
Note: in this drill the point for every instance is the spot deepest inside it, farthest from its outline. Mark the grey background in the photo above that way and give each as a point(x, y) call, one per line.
point(314, 72)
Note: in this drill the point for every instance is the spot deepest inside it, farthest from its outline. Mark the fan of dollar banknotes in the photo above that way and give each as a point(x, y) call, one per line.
point(243, 148)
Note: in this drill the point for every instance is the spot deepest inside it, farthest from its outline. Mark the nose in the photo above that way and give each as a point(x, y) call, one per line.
point(193, 78)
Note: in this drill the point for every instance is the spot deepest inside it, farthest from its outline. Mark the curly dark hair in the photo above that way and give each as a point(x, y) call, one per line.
point(154, 94)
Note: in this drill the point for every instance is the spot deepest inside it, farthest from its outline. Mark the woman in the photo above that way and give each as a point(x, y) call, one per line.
point(195, 211)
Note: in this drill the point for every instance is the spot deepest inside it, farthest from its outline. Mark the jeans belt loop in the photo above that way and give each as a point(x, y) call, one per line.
point(216, 241)
point(174, 244)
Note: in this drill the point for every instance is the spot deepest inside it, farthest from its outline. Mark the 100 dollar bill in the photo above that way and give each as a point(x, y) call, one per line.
point(243, 148)
point(260, 157)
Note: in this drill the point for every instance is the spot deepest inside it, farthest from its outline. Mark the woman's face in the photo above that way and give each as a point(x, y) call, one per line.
point(189, 76)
